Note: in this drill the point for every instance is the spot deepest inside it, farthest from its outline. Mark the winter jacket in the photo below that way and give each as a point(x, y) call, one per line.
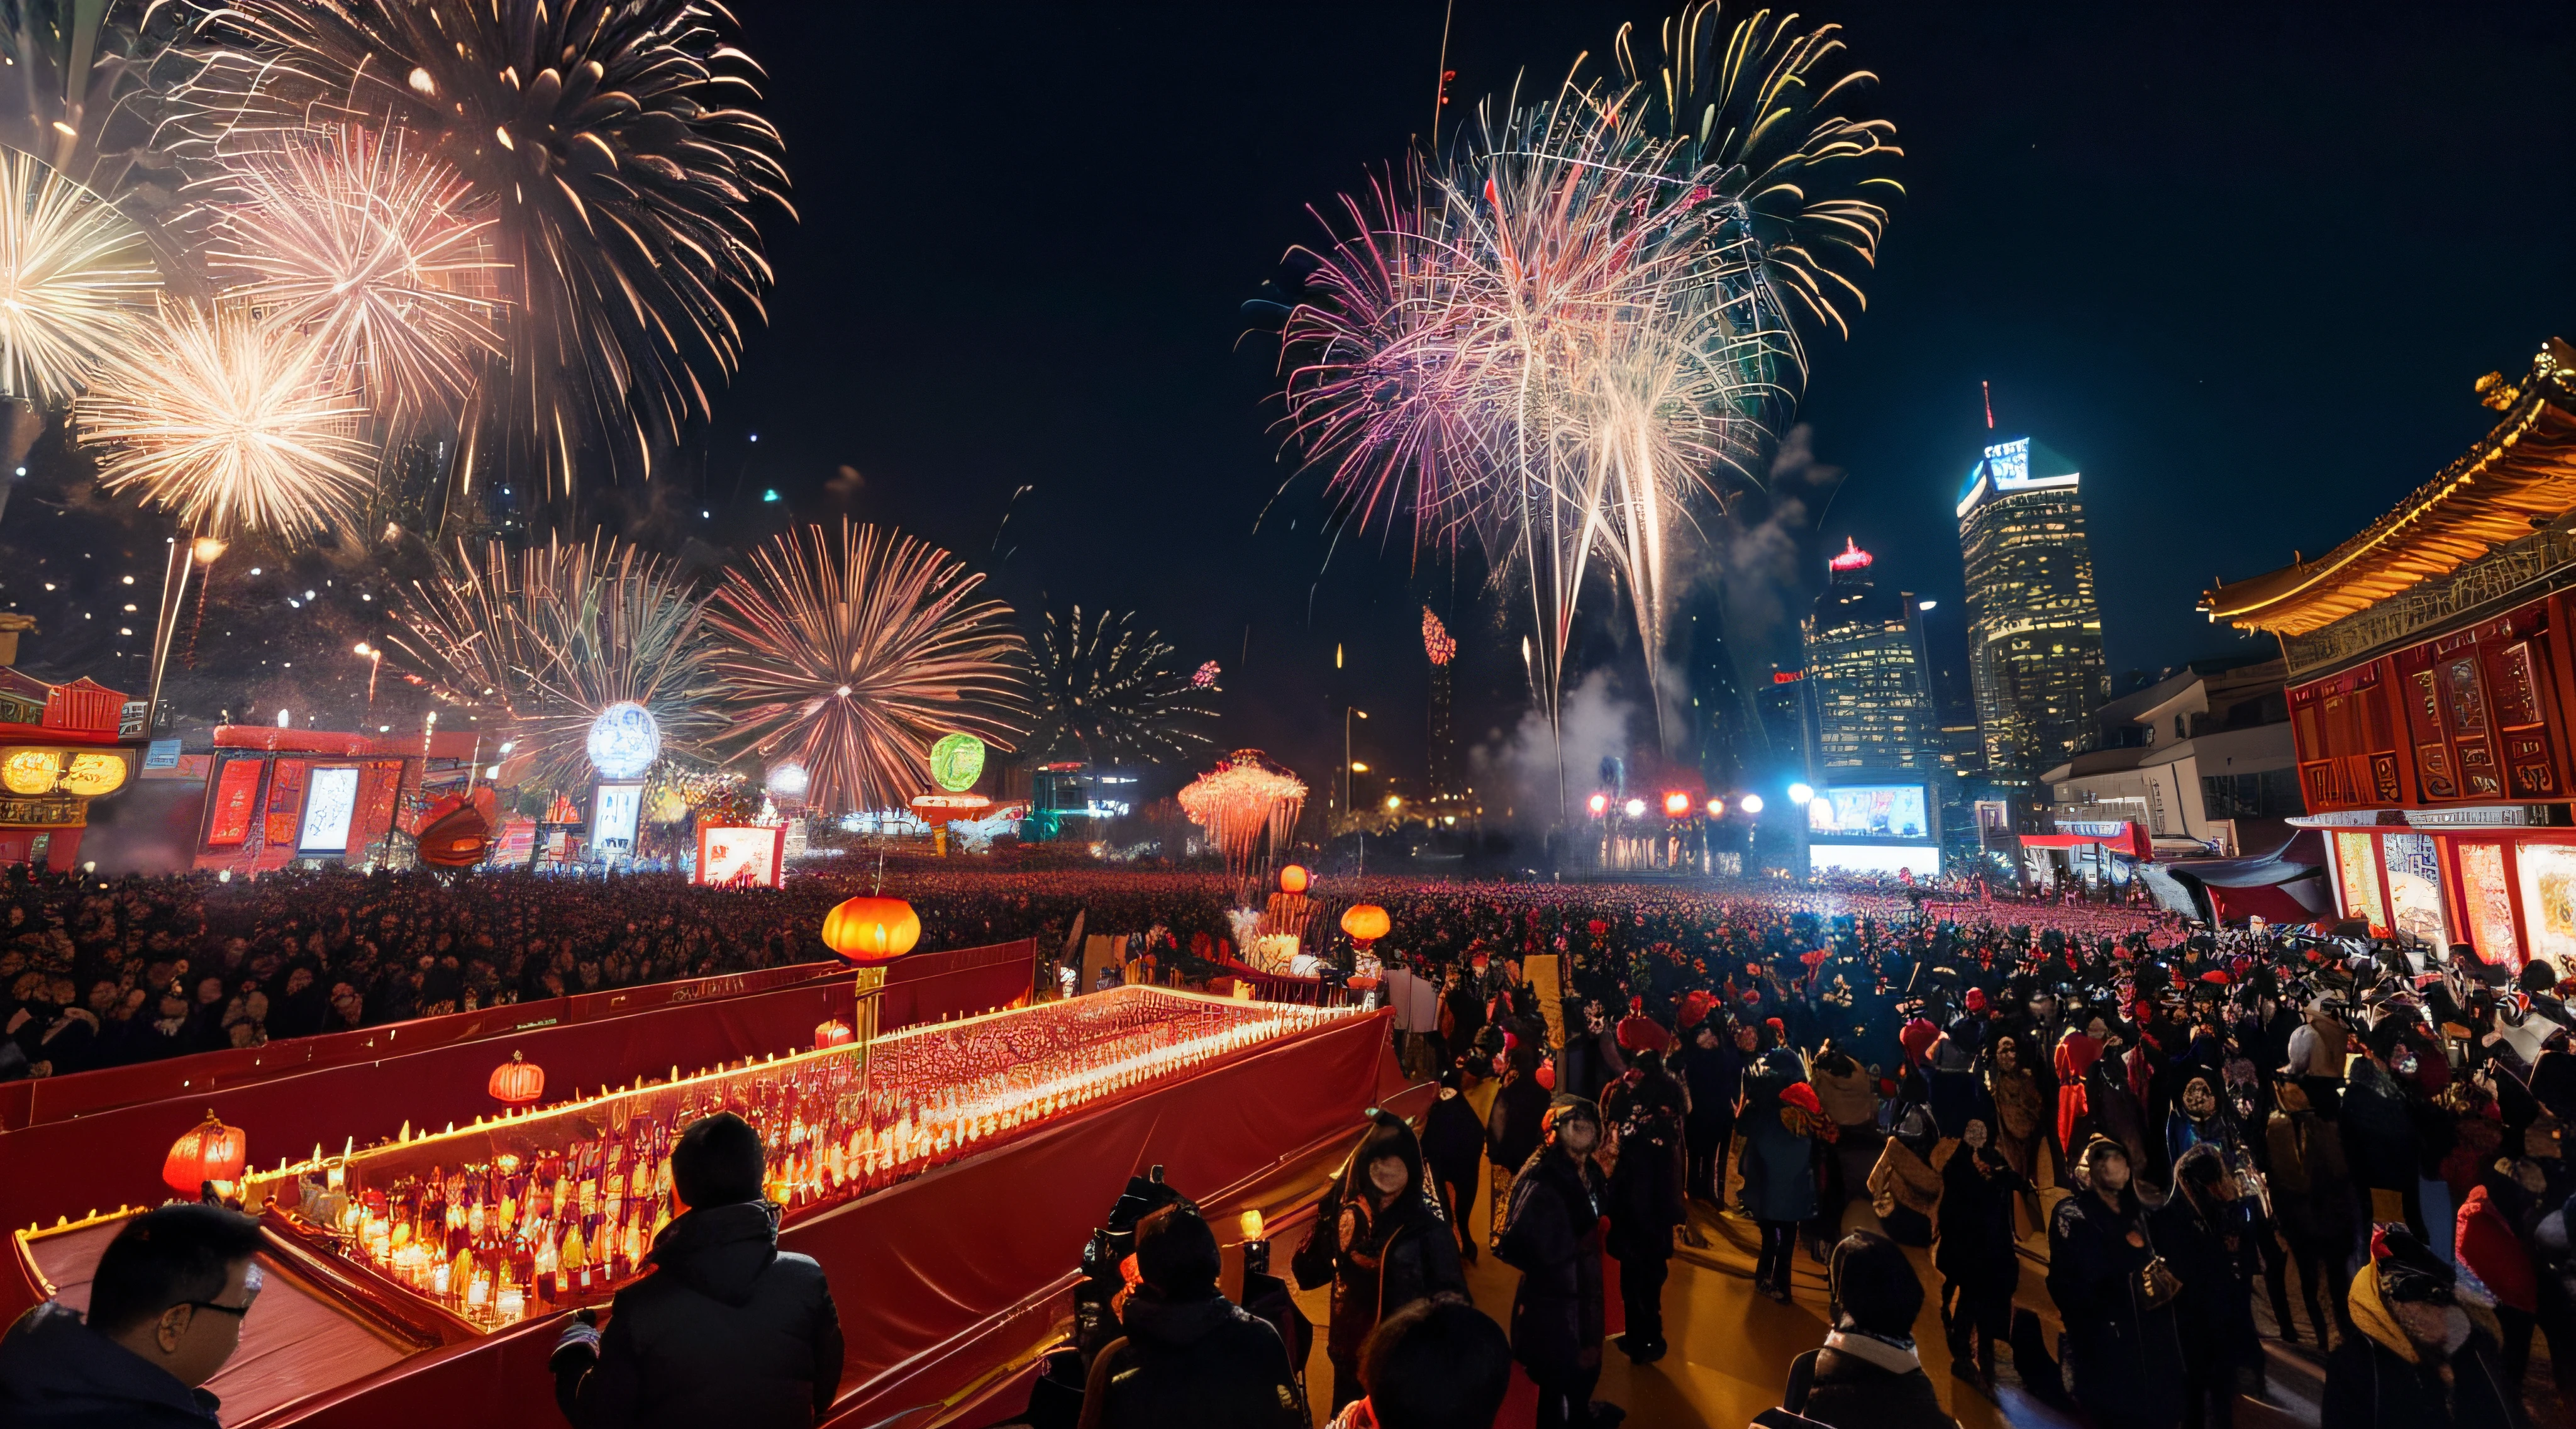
point(1903, 1179)
point(1850, 1099)
point(1512, 1132)
point(1552, 1235)
point(57, 1373)
point(728, 1329)
point(1777, 1162)
point(1977, 1247)
point(1197, 1363)
point(1380, 1261)
point(2123, 1359)
point(2380, 1379)
point(1453, 1139)
point(1858, 1381)
point(2488, 1248)
point(2378, 1130)
point(1714, 1075)
point(1645, 1200)
point(2074, 1060)
point(2311, 1190)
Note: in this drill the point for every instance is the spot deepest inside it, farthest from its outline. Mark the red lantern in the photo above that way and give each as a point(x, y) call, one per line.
point(517, 1081)
point(210, 1152)
point(867, 931)
point(1365, 922)
point(1294, 878)
point(834, 1033)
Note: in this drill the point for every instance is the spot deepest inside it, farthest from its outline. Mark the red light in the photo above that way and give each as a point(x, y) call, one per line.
point(1599, 804)
point(1853, 557)
point(1676, 805)
point(1787, 677)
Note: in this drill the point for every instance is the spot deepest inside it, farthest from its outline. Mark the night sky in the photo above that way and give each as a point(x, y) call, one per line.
point(2240, 262)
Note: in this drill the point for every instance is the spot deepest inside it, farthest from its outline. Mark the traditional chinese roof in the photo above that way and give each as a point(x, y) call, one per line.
point(2521, 475)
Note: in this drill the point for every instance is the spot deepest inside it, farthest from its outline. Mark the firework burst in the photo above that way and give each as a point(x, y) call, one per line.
point(548, 637)
point(75, 277)
point(607, 134)
point(851, 655)
point(362, 242)
point(1107, 691)
point(219, 418)
point(1582, 324)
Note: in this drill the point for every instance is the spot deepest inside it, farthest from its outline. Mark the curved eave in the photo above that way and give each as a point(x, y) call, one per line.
point(2522, 470)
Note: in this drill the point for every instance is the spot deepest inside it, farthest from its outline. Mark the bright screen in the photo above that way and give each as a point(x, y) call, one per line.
point(1922, 861)
point(329, 801)
point(613, 813)
point(743, 856)
point(1879, 811)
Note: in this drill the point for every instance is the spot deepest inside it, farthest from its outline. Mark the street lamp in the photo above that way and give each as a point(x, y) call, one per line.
point(1636, 808)
point(1750, 803)
point(1801, 794)
point(1717, 808)
point(1599, 804)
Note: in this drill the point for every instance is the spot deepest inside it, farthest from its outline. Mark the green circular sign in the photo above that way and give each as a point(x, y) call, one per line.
point(956, 762)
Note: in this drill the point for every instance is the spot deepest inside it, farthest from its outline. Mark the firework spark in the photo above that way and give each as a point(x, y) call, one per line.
point(219, 417)
point(1106, 691)
point(851, 655)
point(609, 138)
point(75, 278)
point(363, 243)
point(546, 638)
point(1244, 798)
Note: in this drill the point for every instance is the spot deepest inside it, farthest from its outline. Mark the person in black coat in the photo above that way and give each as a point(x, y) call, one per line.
point(1381, 1241)
point(1977, 1253)
point(166, 1307)
point(2206, 1239)
point(1513, 1128)
point(1644, 1108)
point(1190, 1356)
point(1453, 1142)
point(1552, 1235)
point(728, 1329)
point(1867, 1376)
point(2121, 1353)
point(1713, 1071)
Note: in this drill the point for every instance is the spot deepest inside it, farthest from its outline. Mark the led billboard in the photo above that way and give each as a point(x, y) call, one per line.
point(1873, 811)
point(614, 809)
point(1923, 861)
point(329, 803)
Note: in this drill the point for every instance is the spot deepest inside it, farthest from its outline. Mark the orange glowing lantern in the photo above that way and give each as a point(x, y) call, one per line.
point(867, 931)
point(210, 1152)
point(1294, 878)
point(834, 1033)
point(517, 1081)
point(1365, 922)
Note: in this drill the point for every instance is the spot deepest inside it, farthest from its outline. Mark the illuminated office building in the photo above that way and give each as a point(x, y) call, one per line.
point(1865, 677)
point(2034, 631)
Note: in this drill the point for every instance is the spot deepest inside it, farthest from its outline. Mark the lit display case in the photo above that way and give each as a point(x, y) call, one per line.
point(466, 1231)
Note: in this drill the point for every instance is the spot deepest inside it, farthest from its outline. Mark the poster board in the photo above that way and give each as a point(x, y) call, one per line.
point(742, 857)
point(615, 809)
point(330, 803)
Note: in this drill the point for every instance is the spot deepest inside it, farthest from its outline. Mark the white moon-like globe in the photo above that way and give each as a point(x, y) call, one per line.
point(624, 741)
point(789, 781)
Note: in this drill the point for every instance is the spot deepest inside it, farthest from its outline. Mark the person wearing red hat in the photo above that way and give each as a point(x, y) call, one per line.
point(1781, 1122)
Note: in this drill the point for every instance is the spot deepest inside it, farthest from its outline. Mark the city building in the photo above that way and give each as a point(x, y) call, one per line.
point(2432, 677)
point(1440, 764)
point(2199, 762)
point(2034, 631)
point(1866, 677)
point(1723, 741)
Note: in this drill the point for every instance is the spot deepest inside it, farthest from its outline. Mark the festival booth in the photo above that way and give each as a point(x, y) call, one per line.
point(58, 751)
point(946, 1176)
point(2432, 673)
point(276, 796)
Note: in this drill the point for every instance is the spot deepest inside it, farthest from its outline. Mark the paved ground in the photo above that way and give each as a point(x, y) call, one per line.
point(1731, 1347)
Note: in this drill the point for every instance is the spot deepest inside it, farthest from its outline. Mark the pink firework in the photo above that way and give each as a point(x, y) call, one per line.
point(1205, 679)
point(1436, 640)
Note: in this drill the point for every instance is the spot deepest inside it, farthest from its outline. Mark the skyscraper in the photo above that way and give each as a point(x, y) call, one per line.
point(1865, 673)
point(2034, 631)
point(1723, 739)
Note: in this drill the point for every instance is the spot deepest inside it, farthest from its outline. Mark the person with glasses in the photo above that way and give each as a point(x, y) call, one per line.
point(166, 1307)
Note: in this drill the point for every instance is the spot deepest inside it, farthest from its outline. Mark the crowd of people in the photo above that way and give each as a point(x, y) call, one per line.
point(2219, 1136)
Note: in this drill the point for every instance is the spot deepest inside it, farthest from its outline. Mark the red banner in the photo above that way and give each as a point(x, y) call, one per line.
point(375, 817)
point(236, 799)
point(285, 801)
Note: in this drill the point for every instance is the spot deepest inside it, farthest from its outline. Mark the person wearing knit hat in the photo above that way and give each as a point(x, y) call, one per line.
point(2426, 1351)
point(1553, 1236)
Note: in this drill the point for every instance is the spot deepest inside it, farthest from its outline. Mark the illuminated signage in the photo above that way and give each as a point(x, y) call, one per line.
point(1922, 861)
point(742, 857)
point(331, 799)
point(1878, 811)
point(614, 810)
point(2005, 468)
